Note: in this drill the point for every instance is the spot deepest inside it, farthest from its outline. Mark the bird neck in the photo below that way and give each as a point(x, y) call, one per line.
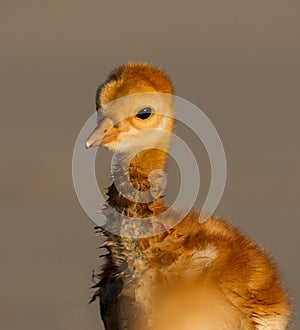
point(138, 184)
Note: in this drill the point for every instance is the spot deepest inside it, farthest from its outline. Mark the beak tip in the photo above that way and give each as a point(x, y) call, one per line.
point(88, 144)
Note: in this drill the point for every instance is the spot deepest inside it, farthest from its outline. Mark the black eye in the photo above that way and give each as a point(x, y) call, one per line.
point(144, 113)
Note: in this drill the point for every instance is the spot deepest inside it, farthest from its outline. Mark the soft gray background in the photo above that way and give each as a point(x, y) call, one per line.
point(236, 60)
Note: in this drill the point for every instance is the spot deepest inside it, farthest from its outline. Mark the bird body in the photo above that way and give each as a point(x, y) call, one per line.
point(189, 274)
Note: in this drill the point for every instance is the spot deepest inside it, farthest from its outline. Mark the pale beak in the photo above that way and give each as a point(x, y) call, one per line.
point(102, 133)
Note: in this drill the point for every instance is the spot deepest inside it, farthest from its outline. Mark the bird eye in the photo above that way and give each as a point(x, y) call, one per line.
point(144, 113)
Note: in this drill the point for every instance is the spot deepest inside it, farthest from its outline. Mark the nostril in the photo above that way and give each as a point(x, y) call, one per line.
point(105, 131)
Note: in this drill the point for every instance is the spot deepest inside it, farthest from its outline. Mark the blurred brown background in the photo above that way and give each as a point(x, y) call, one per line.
point(236, 60)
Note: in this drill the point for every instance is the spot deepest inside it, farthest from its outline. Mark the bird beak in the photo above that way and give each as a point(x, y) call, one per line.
point(102, 133)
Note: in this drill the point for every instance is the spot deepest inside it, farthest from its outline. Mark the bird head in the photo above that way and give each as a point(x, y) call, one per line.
point(135, 109)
